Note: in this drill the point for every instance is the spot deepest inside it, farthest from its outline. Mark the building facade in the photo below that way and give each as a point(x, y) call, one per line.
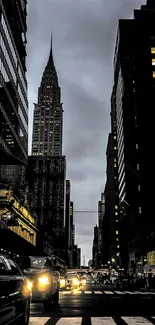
point(95, 250)
point(13, 83)
point(48, 114)
point(67, 215)
point(47, 181)
point(134, 83)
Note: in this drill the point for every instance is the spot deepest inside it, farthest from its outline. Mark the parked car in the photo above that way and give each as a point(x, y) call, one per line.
point(15, 293)
point(44, 278)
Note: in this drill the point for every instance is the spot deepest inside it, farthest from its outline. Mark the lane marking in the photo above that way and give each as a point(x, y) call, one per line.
point(119, 292)
point(108, 292)
point(136, 320)
point(102, 321)
point(38, 320)
point(88, 292)
point(66, 292)
point(66, 321)
point(130, 292)
point(98, 292)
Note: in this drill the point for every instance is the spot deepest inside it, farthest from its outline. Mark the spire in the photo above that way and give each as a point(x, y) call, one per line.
point(51, 50)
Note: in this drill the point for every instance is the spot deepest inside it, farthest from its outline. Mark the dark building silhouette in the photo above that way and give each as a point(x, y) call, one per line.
point(67, 215)
point(134, 93)
point(111, 232)
point(47, 179)
point(13, 83)
point(95, 249)
point(76, 257)
point(101, 211)
point(48, 114)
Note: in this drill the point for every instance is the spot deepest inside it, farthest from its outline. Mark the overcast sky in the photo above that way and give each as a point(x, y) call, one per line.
point(84, 33)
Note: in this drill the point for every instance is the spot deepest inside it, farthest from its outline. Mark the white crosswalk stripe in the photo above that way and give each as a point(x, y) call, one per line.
point(94, 321)
point(102, 321)
point(77, 292)
point(136, 321)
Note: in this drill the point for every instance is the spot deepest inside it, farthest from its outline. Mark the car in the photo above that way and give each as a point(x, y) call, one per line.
point(72, 281)
point(83, 280)
point(44, 278)
point(15, 293)
point(62, 282)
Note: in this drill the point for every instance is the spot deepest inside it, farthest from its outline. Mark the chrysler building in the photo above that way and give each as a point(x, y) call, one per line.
point(48, 114)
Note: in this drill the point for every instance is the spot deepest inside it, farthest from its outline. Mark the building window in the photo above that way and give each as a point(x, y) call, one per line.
point(117, 239)
point(116, 232)
point(153, 61)
point(114, 137)
point(153, 74)
point(137, 166)
point(140, 210)
point(115, 165)
point(118, 246)
point(136, 145)
point(115, 159)
point(115, 148)
point(116, 207)
point(116, 220)
point(116, 213)
point(138, 188)
point(153, 50)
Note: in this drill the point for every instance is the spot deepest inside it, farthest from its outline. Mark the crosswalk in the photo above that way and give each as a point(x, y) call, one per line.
point(78, 292)
point(92, 321)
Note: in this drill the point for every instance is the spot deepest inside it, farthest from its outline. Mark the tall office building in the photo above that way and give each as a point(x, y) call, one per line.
point(134, 87)
point(67, 215)
point(48, 114)
point(95, 248)
point(13, 84)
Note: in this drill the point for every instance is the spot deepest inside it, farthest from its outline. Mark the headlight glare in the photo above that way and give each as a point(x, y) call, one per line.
point(75, 282)
point(44, 280)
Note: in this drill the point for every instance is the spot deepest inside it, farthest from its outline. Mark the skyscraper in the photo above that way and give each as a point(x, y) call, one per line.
point(13, 83)
point(47, 166)
point(134, 79)
point(48, 114)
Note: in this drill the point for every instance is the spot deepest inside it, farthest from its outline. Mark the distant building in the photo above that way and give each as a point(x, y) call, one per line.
point(90, 263)
point(67, 215)
point(76, 257)
point(48, 114)
point(95, 250)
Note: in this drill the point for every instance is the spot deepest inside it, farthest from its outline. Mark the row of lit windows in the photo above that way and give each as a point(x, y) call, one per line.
point(153, 60)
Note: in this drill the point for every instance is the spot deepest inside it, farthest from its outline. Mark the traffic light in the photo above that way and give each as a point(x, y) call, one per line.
point(13, 221)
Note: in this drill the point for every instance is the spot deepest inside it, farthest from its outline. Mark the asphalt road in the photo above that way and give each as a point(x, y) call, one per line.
point(97, 306)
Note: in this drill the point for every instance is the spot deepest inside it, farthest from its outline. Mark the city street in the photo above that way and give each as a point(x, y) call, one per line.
point(90, 305)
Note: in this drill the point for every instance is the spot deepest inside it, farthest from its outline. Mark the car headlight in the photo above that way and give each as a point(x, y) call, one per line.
point(44, 280)
point(83, 281)
point(75, 282)
point(27, 289)
point(62, 282)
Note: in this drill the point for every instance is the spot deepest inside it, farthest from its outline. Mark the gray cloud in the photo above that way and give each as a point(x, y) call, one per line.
point(84, 35)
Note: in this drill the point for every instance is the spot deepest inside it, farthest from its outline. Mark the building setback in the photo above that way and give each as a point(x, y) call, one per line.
point(134, 87)
point(13, 83)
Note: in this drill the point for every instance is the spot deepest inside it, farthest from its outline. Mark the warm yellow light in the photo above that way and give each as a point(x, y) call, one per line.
point(153, 50)
point(44, 280)
point(62, 283)
point(83, 281)
point(75, 282)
